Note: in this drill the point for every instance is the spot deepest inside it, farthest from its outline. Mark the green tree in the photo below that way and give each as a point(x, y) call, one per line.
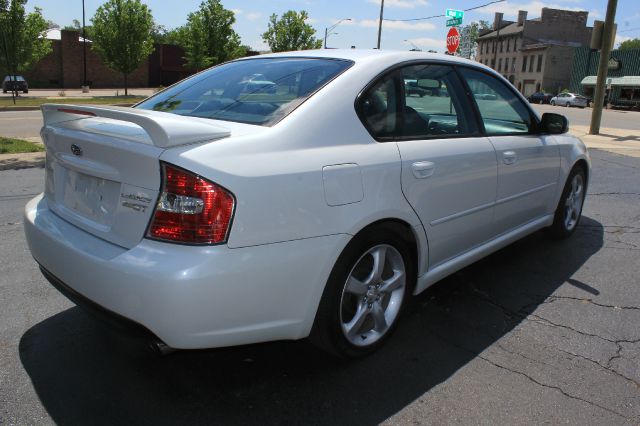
point(88, 29)
point(474, 29)
point(208, 37)
point(634, 43)
point(122, 35)
point(291, 32)
point(22, 41)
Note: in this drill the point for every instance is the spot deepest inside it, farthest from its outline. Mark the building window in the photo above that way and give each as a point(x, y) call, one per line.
point(506, 63)
point(513, 64)
point(493, 47)
point(531, 60)
point(524, 64)
point(501, 45)
point(500, 64)
point(493, 64)
point(508, 45)
point(539, 63)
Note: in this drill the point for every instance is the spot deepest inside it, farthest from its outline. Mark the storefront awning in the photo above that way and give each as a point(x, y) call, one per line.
point(627, 80)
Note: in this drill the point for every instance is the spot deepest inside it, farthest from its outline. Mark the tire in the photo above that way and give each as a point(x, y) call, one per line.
point(356, 314)
point(553, 103)
point(540, 102)
point(25, 91)
point(569, 210)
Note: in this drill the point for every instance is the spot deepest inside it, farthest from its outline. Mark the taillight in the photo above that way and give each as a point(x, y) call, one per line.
point(191, 209)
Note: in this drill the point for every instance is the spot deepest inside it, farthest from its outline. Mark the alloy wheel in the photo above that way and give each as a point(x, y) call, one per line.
point(372, 296)
point(573, 203)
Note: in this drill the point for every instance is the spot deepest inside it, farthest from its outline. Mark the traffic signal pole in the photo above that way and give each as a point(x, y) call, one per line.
point(605, 51)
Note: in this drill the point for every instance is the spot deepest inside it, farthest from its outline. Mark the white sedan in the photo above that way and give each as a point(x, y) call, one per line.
point(209, 216)
point(569, 100)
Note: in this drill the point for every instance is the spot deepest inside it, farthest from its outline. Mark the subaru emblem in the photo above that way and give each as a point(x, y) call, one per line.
point(76, 149)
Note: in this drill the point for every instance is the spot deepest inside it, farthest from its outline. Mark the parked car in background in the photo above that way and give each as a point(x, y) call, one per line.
point(316, 210)
point(569, 100)
point(540, 98)
point(15, 83)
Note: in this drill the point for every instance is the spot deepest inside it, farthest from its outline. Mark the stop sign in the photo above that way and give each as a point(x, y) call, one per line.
point(453, 40)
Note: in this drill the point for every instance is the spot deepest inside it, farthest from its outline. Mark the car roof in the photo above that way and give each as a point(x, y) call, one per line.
point(371, 55)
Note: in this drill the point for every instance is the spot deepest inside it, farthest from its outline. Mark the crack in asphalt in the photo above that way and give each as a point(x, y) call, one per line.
point(528, 377)
point(522, 315)
point(588, 300)
point(604, 367)
point(596, 194)
point(554, 387)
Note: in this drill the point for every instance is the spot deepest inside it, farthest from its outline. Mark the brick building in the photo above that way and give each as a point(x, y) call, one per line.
point(63, 67)
point(535, 54)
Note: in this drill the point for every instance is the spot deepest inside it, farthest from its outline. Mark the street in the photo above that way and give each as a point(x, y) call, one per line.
point(540, 332)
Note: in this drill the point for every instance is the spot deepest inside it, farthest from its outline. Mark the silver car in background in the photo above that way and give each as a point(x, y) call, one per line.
point(569, 100)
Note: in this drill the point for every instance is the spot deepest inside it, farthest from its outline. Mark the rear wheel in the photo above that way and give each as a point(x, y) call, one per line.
point(569, 210)
point(365, 294)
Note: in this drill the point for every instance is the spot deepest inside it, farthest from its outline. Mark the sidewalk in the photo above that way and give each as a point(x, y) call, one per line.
point(77, 93)
point(623, 142)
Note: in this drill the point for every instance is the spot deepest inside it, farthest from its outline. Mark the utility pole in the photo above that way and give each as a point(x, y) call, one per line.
point(9, 67)
point(380, 23)
point(605, 51)
point(84, 47)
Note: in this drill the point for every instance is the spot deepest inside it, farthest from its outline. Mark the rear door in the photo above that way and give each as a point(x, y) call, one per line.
point(528, 162)
point(449, 170)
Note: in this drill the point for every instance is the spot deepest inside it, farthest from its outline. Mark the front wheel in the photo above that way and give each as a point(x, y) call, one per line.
point(365, 295)
point(553, 103)
point(569, 210)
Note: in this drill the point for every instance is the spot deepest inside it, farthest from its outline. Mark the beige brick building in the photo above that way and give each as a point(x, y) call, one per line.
point(535, 54)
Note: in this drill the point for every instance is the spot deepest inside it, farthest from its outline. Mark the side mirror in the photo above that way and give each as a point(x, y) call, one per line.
point(554, 124)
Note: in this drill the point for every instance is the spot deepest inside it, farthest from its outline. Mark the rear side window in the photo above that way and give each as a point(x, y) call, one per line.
point(255, 91)
point(421, 101)
point(501, 110)
point(434, 103)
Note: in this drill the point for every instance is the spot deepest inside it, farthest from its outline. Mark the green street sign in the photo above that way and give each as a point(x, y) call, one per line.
point(452, 13)
point(454, 22)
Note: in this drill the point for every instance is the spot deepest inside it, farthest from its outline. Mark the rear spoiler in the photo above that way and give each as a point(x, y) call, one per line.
point(164, 129)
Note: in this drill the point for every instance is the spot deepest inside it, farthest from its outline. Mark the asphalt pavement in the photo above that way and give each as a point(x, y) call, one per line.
point(540, 332)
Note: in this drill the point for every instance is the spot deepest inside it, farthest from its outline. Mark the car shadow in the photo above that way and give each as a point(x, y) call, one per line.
point(83, 375)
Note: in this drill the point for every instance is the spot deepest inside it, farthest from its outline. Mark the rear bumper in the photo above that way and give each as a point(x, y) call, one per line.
point(119, 322)
point(188, 296)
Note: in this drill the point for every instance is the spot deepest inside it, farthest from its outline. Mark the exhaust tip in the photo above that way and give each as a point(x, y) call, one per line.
point(160, 348)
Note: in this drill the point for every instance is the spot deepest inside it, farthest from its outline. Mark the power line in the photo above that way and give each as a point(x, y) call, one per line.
point(442, 16)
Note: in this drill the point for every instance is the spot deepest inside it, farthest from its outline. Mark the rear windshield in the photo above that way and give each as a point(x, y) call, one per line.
point(255, 91)
point(14, 78)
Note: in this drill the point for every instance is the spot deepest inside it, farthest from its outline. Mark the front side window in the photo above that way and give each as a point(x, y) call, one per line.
point(501, 110)
point(254, 91)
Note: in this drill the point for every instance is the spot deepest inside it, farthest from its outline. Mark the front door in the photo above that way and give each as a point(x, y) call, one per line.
point(528, 162)
point(449, 169)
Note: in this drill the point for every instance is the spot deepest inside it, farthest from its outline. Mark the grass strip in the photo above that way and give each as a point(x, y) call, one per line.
point(17, 146)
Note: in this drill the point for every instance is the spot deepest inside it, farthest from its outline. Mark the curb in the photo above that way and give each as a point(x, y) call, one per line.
point(37, 108)
point(21, 161)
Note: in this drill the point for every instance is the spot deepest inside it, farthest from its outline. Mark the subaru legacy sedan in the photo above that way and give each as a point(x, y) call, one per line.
point(211, 215)
point(569, 100)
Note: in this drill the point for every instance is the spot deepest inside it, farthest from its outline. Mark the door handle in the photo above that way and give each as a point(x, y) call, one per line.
point(423, 169)
point(509, 157)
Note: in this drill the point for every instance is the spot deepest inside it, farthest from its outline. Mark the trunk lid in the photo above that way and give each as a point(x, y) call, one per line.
point(102, 167)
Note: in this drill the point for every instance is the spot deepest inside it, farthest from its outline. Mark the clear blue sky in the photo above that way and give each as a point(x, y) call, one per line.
point(361, 32)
